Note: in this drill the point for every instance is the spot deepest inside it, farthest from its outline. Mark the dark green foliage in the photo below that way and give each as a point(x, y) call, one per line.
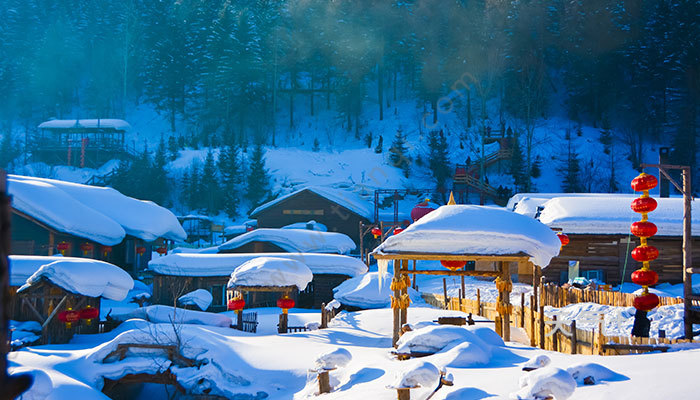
point(517, 164)
point(536, 170)
point(368, 140)
point(230, 170)
point(317, 146)
point(8, 150)
point(173, 148)
point(399, 153)
point(380, 145)
point(209, 188)
point(438, 160)
point(258, 180)
point(571, 169)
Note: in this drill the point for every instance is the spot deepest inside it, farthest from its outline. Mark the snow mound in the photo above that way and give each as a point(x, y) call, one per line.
point(23, 333)
point(167, 314)
point(271, 271)
point(416, 374)
point(85, 276)
point(41, 383)
point(536, 363)
point(193, 264)
point(99, 213)
point(200, 298)
point(22, 267)
point(311, 225)
point(478, 230)
point(344, 198)
point(454, 346)
point(295, 240)
point(596, 372)
point(364, 291)
point(544, 382)
point(118, 124)
point(333, 359)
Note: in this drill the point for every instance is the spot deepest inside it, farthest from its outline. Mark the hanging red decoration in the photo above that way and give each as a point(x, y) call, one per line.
point(453, 265)
point(68, 317)
point(140, 250)
point(397, 231)
point(285, 303)
point(643, 229)
point(376, 232)
point(106, 250)
point(645, 253)
point(644, 205)
point(86, 248)
point(645, 277)
point(63, 247)
point(162, 250)
point(236, 304)
point(563, 238)
point(644, 182)
point(421, 210)
point(89, 313)
point(249, 228)
point(646, 302)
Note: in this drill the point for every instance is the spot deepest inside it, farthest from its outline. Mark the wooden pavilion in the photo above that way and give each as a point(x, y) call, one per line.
point(457, 234)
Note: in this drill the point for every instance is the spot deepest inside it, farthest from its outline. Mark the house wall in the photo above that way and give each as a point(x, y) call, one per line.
point(256, 247)
point(608, 253)
point(306, 206)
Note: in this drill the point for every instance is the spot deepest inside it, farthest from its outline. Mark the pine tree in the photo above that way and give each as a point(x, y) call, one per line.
point(209, 185)
point(606, 137)
point(517, 165)
point(572, 169)
point(258, 180)
point(380, 145)
point(192, 186)
point(398, 153)
point(158, 176)
point(173, 150)
point(317, 146)
point(230, 170)
point(536, 170)
point(8, 151)
point(368, 140)
point(438, 160)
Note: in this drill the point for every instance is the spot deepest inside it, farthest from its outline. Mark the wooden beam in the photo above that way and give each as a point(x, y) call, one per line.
point(53, 313)
point(451, 257)
point(452, 273)
point(395, 310)
point(687, 254)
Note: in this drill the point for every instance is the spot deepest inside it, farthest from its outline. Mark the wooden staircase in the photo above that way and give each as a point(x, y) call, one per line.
point(467, 176)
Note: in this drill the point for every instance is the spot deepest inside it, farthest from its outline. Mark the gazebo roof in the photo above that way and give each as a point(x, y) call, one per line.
point(477, 232)
point(271, 272)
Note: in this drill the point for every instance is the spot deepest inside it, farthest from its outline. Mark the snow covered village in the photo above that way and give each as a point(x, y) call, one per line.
point(313, 199)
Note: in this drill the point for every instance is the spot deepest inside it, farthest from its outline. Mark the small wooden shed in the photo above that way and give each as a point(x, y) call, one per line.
point(272, 240)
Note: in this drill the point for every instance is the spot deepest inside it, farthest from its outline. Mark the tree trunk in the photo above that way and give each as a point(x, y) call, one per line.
point(380, 90)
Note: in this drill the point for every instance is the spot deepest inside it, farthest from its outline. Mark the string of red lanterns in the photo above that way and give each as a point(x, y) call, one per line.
point(106, 250)
point(644, 253)
point(70, 316)
point(285, 303)
point(86, 248)
point(63, 247)
point(236, 304)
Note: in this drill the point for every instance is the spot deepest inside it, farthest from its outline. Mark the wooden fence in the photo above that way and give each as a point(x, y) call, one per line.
point(548, 334)
point(557, 296)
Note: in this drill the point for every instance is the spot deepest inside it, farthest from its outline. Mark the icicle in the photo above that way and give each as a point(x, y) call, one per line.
point(382, 267)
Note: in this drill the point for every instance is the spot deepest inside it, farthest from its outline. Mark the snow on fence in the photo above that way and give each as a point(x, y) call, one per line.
point(548, 334)
point(557, 296)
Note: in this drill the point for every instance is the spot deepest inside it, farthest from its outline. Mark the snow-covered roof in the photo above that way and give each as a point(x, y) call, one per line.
point(193, 264)
point(613, 215)
point(310, 225)
point(22, 267)
point(295, 240)
point(199, 297)
point(271, 271)
point(368, 291)
point(344, 198)
point(84, 276)
point(117, 124)
point(476, 230)
point(97, 213)
point(538, 199)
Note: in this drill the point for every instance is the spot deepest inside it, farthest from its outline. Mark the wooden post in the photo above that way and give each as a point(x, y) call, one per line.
point(463, 286)
point(555, 335)
point(505, 301)
point(541, 327)
point(444, 290)
point(574, 338)
point(239, 320)
point(324, 316)
point(51, 243)
point(478, 301)
point(396, 310)
point(522, 310)
point(284, 321)
point(403, 394)
point(324, 382)
point(533, 340)
point(535, 282)
point(404, 311)
point(687, 254)
point(601, 335)
point(415, 286)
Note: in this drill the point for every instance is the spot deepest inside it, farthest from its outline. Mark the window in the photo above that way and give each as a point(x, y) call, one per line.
point(218, 294)
point(598, 274)
point(302, 212)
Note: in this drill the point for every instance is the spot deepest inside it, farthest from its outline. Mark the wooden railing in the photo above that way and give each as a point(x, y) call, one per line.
point(557, 296)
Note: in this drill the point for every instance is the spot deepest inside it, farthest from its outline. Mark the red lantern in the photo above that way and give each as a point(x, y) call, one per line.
point(86, 248)
point(453, 265)
point(646, 302)
point(162, 250)
point(249, 228)
point(106, 250)
point(89, 313)
point(62, 247)
point(644, 182)
point(421, 210)
point(397, 231)
point(376, 232)
point(643, 205)
point(645, 277)
point(69, 316)
point(140, 250)
point(645, 253)
point(285, 303)
point(643, 229)
point(236, 304)
point(563, 238)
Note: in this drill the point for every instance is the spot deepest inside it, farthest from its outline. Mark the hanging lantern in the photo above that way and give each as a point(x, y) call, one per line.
point(285, 303)
point(453, 265)
point(63, 247)
point(249, 228)
point(644, 253)
point(643, 229)
point(421, 210)
point(86, 248)
point(140, 250)
point(376, 232)
point(68, 317)
point(89, 313)
point(563, 238)
point(106, 250)
point(398, 230)
point(162, 250)
point(236, 304)
point(643, 205)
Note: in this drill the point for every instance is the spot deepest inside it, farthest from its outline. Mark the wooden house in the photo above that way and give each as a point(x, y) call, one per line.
point(51, 217)
point(339, 210)
point(180, 273)
point(83, 143)
point(598, 228)
point(271, 240)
